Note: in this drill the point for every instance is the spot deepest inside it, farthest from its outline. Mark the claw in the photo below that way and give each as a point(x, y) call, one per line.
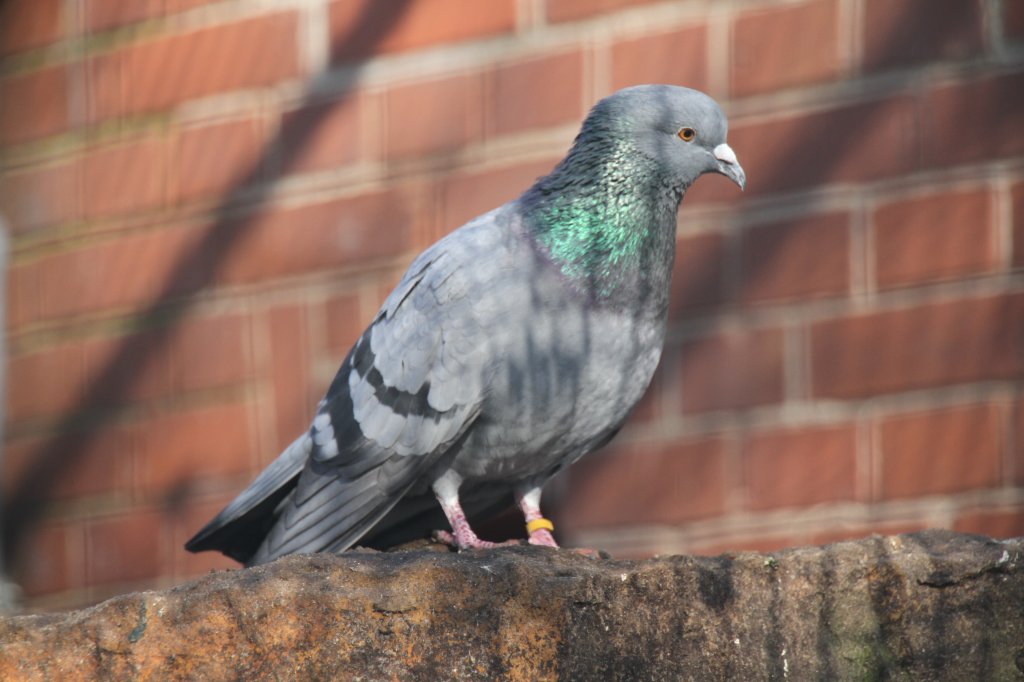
point(470, 541)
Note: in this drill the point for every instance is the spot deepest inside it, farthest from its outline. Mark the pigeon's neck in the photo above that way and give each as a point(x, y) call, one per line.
point(606, 218)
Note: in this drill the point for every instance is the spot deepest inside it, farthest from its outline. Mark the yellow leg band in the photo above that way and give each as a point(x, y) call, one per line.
point(535, 525)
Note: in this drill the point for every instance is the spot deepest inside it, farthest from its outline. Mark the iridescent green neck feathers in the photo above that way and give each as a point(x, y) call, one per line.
point(605, 216)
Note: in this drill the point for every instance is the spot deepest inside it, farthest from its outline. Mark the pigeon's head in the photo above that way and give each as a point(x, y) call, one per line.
point(682, 130)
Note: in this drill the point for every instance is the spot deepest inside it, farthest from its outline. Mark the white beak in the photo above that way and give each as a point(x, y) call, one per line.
point(729, 166)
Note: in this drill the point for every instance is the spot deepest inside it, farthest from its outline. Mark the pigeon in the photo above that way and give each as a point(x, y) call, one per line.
point(510, 348)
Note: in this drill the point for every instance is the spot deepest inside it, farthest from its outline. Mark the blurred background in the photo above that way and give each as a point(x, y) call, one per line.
point(205, 201)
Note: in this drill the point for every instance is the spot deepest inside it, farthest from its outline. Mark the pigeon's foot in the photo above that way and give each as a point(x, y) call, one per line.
point(543, 538)
point(469, 542)
point(540, 538)
point(462, 536)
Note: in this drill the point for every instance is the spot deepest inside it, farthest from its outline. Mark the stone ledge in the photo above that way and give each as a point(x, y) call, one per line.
point(933, 605)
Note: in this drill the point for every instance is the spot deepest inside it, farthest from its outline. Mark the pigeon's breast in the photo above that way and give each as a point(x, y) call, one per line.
point(564, 376)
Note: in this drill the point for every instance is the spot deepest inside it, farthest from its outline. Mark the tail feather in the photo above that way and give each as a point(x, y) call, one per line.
point(240, 528)
point(328, 513)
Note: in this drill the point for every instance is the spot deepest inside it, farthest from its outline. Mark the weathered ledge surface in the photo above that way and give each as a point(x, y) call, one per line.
point(933, 605)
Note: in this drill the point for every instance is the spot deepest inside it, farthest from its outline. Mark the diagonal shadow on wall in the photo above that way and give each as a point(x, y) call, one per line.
point(826, 148)
point(195, 270)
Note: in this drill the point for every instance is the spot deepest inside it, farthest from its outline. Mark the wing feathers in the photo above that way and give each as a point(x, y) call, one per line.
point(410, 387)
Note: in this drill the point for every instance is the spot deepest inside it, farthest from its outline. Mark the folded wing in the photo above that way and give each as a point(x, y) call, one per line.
point(408, 391)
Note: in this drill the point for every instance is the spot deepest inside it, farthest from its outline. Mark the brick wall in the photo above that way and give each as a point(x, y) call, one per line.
point(209, 199)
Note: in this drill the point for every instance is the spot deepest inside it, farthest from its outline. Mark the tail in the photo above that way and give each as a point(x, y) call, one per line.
point(332, 505)
point(242, 526)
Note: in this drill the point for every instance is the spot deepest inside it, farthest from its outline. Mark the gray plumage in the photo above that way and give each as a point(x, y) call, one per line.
point(510, 348)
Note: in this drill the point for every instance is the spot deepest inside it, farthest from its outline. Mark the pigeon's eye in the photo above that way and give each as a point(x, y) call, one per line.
point(687, 134)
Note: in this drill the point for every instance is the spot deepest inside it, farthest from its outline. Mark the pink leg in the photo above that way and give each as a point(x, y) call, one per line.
point(528, 500)
point(447, 491)
point(463, 537)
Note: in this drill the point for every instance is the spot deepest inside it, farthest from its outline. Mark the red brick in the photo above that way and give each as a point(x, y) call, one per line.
point(128, 271)
point(901, 32)
point(360, 29)
point(124, 178)
point(1003, 523)
point(125, 548)
point(344, 324)
point(679, 57)
point(47, 562)
point(570, 10)
point(44, 382)
point(941, 452)
point(780, 47)
point(733, 370)
point(22, 296)
point(331, 134)
point(100, 464)
point(24, 25)
point(123, 370)
point(1018, 224)
point(178, 449)
point(1013, 20)
point(800, 467)
point(933, 237)
point(467, 194)
point(680, 482)
point(861, 142)
point(210, 352)
point(103, 14)
point(324, 236)
point(182, 5)
point(158, 74)
point(103, 97)
point(33, 104)
point(698, 274)
point(448, 115)
point(213, 160)
point(985, 103)
point(196, 354)
point(515, 104)
point(41, 196)
point(932, 345)
point(290, 373)
point(803, 257)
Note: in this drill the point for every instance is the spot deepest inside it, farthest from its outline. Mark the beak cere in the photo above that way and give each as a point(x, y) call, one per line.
point(729, 166)
point(724, 152)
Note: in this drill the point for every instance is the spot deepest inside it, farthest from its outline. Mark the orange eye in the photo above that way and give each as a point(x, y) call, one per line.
point(687, 134)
